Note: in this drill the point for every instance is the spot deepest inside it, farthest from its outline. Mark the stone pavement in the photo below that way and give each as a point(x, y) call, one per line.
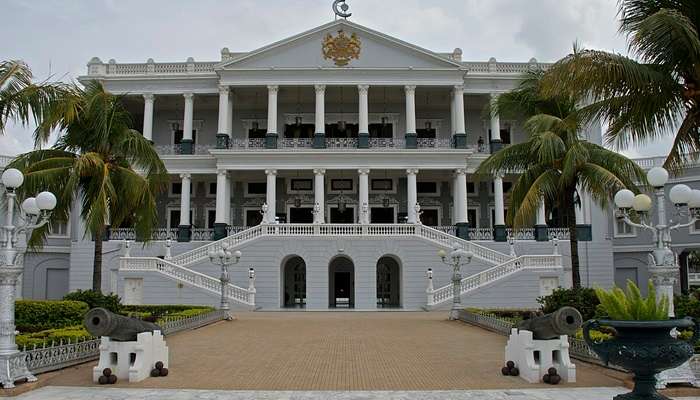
point(103, 393)
point(405, 351)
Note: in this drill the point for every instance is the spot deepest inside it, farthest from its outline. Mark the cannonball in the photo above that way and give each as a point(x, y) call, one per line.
point(505, 371)
point(155, 373)
point(514, 372)
point(103, 380)
point(164, 371)
point(546, 378)
point(554, 379)
point(112, 379)
point(159, 365)
point(107, 372)
point(510, 364)
point(552, 371)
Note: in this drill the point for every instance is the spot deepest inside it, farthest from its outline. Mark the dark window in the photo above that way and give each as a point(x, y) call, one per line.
point(471, 187)
point(211, 218)
point(257, 133)
point(257, 187)
point(253, 217)
point(302, 131)
point(302, 185)
point(429, 218)
point(177, 188)
point(471, 216)
point(427, 187)
point(333, 131)
point(505, 134)
point(380, 131)
point(380, 215)
point(341, 185)
point(426, 133)
point(212, 188)
point(301, 215)
point(345, 217)
point(506, 187)
point(382, 184)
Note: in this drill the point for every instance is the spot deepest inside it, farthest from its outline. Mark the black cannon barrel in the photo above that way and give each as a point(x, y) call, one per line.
point(564, 321)
point(101, 322)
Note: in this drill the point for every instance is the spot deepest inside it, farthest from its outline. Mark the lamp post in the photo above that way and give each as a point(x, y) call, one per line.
point(33, 213)
point(225, 258)
point(456, 258)
point(663, 266)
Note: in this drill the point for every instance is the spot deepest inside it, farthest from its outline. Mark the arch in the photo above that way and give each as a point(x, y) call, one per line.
point(293, 293)
point(388, 282)
point(341, 282)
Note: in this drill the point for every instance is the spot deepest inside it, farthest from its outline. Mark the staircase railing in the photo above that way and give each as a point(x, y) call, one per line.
point(483, 278)
point(187, 276)
point(447, 240)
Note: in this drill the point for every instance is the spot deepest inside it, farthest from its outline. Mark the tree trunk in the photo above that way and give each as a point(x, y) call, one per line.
point(573, 241)
point(97, 263)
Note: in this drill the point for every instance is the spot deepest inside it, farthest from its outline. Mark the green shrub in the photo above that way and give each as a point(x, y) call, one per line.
point(583, 299)
point(161, 310)
point(49, 336)
point(687, 306)
point(93, 299)
point(597, 336)
point(35, 315)
point(631, 306)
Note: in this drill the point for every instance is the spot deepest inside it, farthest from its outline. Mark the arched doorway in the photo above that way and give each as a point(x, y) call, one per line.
point(341, 283)
point(388, 283)
point(294, 278)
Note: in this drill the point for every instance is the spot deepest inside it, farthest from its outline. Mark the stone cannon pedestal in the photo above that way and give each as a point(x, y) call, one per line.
point(534, 357)
point(132, 360)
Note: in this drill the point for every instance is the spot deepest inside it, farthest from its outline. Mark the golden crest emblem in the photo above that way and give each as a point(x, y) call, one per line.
point(341, 49)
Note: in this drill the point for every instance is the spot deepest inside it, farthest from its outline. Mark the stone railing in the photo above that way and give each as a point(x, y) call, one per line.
point(57, 356)
point(518, 234)
point(187, 276)
point(160, 234)
point(493, 66)
point(483, 278)
point(176, 149)
point(651, 162)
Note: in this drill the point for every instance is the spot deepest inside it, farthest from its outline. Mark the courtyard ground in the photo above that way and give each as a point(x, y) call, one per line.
point(407, 351)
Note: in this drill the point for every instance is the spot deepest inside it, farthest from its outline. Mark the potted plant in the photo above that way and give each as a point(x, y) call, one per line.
point(643, 342)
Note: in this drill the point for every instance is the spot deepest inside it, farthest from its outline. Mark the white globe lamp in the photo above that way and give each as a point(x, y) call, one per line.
point(624, 198)
point(680, 194)
point(641, 203)
point(12, 178)
point(657, 177)
point(29, 206)
point(46, 201)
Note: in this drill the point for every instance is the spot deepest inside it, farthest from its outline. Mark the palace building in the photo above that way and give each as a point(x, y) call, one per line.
point(339, 161)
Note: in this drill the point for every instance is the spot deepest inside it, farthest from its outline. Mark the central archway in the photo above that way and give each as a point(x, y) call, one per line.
point(294, 278)
point(388, 283)
point(341, 283)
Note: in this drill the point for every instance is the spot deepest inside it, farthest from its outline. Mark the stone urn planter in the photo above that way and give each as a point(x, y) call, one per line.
point(645, 348)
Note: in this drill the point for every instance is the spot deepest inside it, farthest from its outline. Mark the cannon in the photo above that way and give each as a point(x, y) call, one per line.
point(564, 321)
point(101, 322)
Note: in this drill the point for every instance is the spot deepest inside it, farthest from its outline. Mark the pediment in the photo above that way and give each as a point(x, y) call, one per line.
point(371, 48)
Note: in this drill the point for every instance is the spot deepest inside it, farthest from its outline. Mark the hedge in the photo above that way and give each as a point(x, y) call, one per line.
point(111, 302)
point(38, 315)
point(46, 337)
point(160, 310)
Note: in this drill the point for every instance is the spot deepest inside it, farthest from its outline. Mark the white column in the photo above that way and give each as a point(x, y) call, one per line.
point(223, 110)
point(319, 195)
point(364, 195)
point(185, 199)
point(229, 122)
point(452, 112)
point(412, 196)
point(148, 116)
point(459, 109)
point(363, 91)
point(410, 109)
point(272, 109)
point(320, 108)
point(460, 193)
point(271, 195)
point(227, 201)
point(498, 198)
point(188, 117)
point(221, 178)
point(495, 121)
point(541, 217)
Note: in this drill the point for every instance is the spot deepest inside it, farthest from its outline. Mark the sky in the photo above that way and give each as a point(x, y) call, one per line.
point(57, 37)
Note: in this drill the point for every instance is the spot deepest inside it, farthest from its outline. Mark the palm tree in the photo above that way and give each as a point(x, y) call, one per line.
point(23, 101)
point(555, 163)
point(101, 162)
point(653, 95)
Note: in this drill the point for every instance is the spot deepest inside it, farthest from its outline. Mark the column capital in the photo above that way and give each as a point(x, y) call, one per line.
point(363, 171)
point(186, 176)
point(410, 88)
point(320, 88)
point(222, 172)
point(319, 171)
point(363, 88)
point(498, 176)
point(224, 90)
point(188, 95)
point(273, 88)
point(412, 171)
point(461, 171)
point(269, 172)
point(149, 96)
point(458, 89)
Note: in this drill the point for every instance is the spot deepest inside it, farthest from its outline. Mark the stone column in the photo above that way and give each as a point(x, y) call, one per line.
point(187, 146)
point(148, 98)
point(584, 232)
point(227, 201)
point(411, 136)
point(223, 134)
point(363, 196)
point(495, 127)
point(220, 223)
point(271, 136)
point(363, 131)
point(229, 122)
point(319, 195)
point(499, 228)
point(271, 195)
point(184, 230)
point(460, 135)
point(320, 132)
point(453, 124)
point(460, 204)
point(541, 234)
point(412, 195)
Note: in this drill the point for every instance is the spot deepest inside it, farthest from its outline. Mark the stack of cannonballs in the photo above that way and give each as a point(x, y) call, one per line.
point(552, 377)
point(510, 369)
point(107, 378)
point(159, 370)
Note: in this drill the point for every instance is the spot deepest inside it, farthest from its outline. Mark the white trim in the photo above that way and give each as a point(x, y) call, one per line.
point(245, 189)
point(394, 184)
point(617, 235)
point(330, 180)
point(330, 206)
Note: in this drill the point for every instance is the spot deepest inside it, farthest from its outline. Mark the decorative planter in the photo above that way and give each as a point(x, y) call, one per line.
point(645, 348)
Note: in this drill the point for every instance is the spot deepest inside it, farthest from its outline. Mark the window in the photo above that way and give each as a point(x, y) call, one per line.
point(473, 217)
point(623, 230)
point(344, 185)
point(379, 185)
point(253, 217)
point(58, 228)
point(507, 186)
point(211, 218)
point(430, 216)
point(211, 189)
point(426, 133)
point(174, 217)
point(178, 135)
point(379, 131)
point(428, 188)
point(256, 189)
point(505, 133)
point(176, 189)
point(471, 188)
point(302, 185)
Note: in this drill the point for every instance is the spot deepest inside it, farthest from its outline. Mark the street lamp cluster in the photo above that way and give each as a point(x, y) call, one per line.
point(456, 259)
point(34, 212)
point(224, 257)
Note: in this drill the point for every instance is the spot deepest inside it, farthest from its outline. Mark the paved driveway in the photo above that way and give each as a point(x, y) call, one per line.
point(337, 351)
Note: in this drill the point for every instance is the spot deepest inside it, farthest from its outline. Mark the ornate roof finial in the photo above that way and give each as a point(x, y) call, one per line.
point(341, 9)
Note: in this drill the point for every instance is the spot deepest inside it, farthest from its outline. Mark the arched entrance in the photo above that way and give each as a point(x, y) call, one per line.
point(294, 278)
point(388, 283)
point(341, 283)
